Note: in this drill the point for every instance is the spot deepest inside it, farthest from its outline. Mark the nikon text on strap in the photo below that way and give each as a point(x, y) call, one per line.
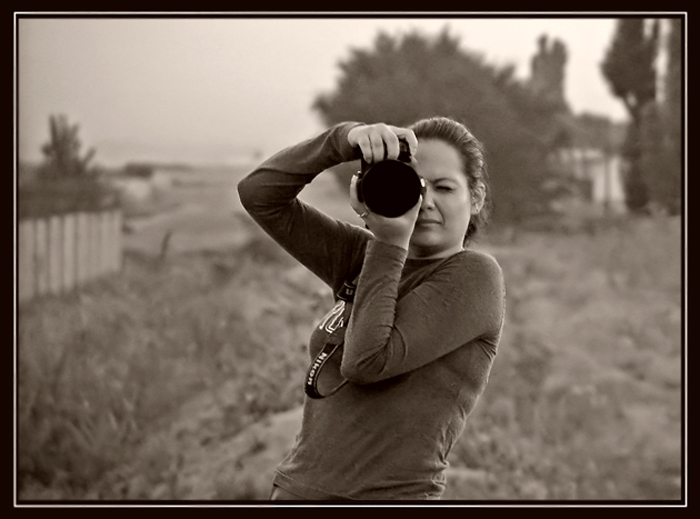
point(323, 378)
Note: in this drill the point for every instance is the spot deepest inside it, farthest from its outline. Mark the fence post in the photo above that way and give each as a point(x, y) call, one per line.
point(55, 255)
point(105, 242)
point(113, 245)
point(82, 248)
point(26, 273)
point(40, 263)
point(95, 256)
point(69, 250)
point(117, 233)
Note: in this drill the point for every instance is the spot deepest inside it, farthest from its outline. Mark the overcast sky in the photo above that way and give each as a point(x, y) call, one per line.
point(207, 90)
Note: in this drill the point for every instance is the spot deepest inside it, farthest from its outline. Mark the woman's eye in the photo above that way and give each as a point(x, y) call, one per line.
point(444, 188)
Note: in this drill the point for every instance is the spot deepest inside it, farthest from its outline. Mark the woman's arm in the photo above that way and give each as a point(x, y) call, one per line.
point(460, 302)
point(326, 246)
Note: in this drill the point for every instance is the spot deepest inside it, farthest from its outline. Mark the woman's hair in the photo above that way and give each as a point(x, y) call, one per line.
point(472, 152)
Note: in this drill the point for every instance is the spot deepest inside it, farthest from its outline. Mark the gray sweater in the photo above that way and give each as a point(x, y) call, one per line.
point(418, 351)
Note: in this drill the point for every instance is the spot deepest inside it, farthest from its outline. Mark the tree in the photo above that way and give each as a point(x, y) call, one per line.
point(547, 71)
point(65, 181)
point(62, 152)
point(629, 68)
point(405, 78)
point(665, 181)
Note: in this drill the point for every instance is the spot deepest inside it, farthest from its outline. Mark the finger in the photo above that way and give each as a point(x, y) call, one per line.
point(365, 146)
point(391, 143)
point(410, 138)
point(355, 203)
point(413, 212)
point(377, 147)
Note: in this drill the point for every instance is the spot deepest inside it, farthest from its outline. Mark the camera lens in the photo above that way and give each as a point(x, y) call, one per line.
point(390, 188)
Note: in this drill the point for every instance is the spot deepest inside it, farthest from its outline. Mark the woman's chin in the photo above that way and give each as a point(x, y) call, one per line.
point(426, 249)
point(420, 241)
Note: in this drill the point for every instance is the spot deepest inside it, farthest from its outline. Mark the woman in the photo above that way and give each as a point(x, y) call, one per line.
point(427, 315)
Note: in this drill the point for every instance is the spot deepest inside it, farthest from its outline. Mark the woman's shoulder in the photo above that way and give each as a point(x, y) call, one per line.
point(476, 267)
point(478, 259)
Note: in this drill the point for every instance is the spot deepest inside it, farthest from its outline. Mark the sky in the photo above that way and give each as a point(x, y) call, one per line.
point(216, 89)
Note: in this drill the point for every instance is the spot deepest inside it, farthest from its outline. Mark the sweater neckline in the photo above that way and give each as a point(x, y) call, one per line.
point(416, 263)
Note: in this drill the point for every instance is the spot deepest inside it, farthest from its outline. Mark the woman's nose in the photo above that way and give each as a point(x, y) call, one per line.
point(428, 200)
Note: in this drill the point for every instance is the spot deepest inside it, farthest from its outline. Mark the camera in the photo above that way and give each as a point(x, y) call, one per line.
point(390, 187)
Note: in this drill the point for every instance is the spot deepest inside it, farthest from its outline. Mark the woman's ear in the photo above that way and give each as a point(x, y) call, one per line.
point(478, 194)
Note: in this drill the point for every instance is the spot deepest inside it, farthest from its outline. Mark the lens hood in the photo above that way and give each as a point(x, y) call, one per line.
point(390, 187)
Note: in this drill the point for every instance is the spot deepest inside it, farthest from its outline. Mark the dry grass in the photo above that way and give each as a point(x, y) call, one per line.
point(100, 370)
point(583, 403)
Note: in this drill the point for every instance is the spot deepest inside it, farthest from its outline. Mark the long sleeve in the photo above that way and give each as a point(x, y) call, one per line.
point(459, 302)
point(328, 247)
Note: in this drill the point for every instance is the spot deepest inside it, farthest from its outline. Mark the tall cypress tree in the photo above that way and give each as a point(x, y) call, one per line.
point(629, 68)
point(673, 109)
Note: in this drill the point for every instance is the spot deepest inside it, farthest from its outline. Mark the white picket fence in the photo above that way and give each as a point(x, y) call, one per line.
point(62, 252)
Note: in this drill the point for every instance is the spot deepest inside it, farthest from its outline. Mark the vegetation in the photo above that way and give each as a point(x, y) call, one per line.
point(99, 370)
point(584, 401)
point(62, 152)
point(653, 141)
point(65, 181)
point(405, 78)
point(663, 130)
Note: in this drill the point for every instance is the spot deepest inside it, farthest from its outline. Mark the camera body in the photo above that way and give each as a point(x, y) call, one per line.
point(390, 187)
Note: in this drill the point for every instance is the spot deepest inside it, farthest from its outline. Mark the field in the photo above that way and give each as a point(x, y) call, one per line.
point(179, 378)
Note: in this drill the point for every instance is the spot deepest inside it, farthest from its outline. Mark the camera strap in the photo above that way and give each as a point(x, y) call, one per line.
point(323, 377)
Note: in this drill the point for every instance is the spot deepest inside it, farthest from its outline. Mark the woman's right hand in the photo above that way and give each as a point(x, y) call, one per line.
point(381, 141)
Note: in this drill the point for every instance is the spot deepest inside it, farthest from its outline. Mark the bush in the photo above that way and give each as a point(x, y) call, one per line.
point(64, 195)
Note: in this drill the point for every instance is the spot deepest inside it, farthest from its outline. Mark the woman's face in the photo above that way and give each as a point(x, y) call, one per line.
point(447, 203)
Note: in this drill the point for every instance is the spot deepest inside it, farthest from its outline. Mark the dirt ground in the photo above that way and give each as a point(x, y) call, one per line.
point(203, 211)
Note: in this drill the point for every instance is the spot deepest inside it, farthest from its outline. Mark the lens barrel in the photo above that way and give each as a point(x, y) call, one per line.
point(389, 187)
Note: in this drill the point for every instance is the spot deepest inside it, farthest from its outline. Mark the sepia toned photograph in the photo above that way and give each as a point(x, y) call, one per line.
point(319, 260)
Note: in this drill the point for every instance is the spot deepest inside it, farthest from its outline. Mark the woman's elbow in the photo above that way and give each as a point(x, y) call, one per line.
point(246, 192)
point(251, 195)
point(359, 373)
